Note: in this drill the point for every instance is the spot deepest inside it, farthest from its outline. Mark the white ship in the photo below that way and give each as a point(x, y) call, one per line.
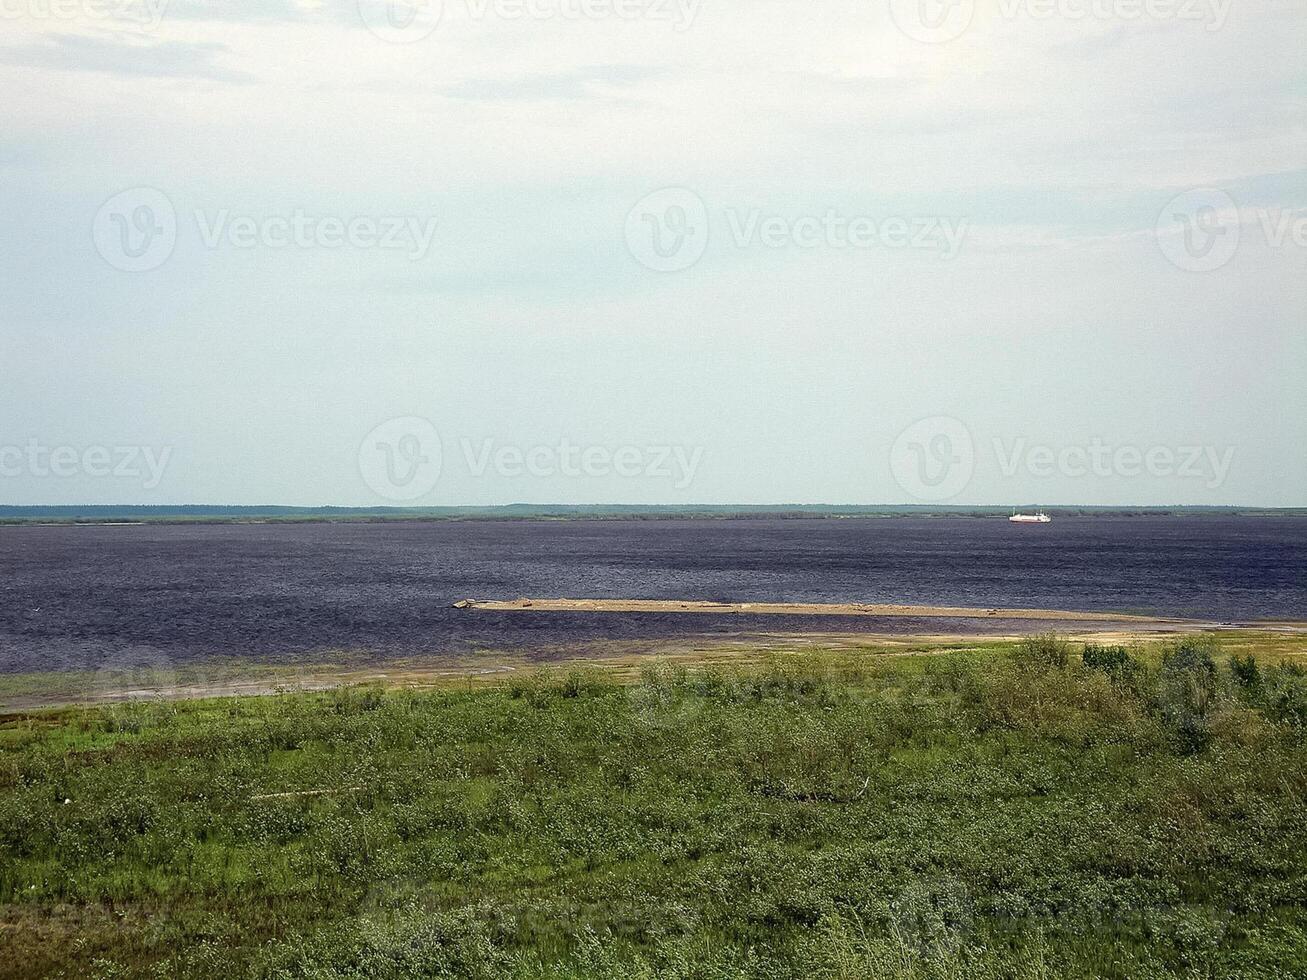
point(1038, 517)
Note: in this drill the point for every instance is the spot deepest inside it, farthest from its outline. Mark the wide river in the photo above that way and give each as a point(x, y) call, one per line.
point(70, 597)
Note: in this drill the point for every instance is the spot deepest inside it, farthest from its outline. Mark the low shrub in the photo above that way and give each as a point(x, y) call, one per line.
point(1188, 692)
point(1124, 671)
point(1245, 672)
point(1105, 658)
point(1283, 696)
point(1043, 651)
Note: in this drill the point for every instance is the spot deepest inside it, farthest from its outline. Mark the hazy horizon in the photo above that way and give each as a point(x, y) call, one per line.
point(619, 506)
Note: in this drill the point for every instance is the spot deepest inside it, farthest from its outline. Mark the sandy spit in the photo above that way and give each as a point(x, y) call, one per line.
point(794, 609)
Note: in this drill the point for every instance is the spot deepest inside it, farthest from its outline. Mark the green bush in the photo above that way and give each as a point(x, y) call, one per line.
point(1043, 651)
point(1194, 654)
point(1283, 696)
point(1123, 670)
point(1245, 672)
point(1187, 692)
point(1105, 658)
point(414, 943)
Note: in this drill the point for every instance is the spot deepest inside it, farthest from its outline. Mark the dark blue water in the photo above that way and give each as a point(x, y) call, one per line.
point(72, 596)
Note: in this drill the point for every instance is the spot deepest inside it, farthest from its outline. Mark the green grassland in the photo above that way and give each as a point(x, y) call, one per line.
point(1037, 810)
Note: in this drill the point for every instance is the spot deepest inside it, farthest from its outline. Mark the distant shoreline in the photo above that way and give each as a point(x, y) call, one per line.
point(110, 514)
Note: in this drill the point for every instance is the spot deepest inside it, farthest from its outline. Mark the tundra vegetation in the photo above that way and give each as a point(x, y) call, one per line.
point(1047, 810)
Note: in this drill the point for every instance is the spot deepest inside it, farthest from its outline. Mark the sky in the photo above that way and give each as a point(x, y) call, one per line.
point(1008, 252)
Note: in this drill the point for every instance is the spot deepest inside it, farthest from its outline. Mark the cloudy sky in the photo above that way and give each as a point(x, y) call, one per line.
point(1002, 251)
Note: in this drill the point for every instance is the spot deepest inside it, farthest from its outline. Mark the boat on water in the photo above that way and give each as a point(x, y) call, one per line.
point(1038, 517)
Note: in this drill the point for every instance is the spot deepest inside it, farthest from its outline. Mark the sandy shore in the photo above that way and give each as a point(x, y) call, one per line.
point(801, 609)
point(622, 658)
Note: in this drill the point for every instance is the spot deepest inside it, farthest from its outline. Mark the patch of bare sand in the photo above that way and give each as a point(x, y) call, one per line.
point(800, 609)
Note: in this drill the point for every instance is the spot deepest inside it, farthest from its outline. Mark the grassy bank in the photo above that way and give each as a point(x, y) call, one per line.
point(1040, 811)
